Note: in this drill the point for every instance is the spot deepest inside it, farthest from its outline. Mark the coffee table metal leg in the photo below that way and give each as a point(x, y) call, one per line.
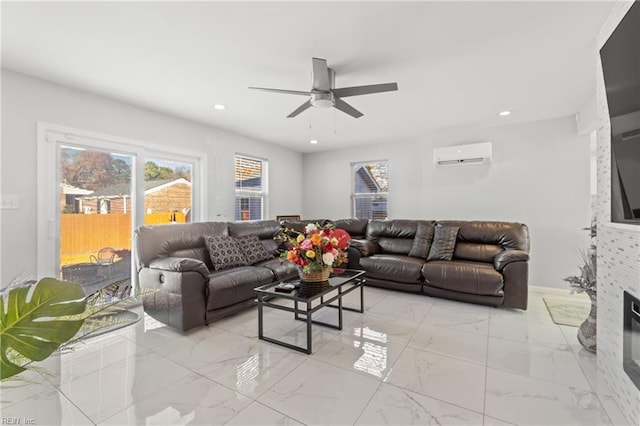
point(260, 318)
point(309, 322)
point(340, 313)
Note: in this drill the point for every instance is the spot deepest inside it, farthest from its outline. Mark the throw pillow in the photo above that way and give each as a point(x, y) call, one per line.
point(422, 241)
point(224, 252)
point(253, 249)
point(444, 243)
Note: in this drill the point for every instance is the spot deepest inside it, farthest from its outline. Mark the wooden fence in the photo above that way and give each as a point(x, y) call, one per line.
point(82, 235)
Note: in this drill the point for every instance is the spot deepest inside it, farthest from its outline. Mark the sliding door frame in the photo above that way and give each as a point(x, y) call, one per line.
point(50, 136)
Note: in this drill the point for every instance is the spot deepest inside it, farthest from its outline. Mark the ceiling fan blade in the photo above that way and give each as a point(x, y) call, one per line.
point(364, 90)
point(346, 108)
point(321, 75)
point(288, 92)
point(301, 108)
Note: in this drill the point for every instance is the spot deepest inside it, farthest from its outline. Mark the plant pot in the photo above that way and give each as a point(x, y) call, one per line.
point(587, 330)
point(313, 283)
point(315, 277)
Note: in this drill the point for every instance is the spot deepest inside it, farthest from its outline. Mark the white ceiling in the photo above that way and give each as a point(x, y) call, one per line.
point(457, 64)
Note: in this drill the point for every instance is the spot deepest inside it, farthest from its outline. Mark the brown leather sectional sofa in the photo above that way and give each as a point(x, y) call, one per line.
point(174, 260)
point(488, 264)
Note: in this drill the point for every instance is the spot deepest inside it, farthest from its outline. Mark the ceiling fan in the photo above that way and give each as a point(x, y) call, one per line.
point(324, 95)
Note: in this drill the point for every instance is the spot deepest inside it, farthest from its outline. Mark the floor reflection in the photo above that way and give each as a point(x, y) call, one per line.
point(374, 354)
point(246, 374)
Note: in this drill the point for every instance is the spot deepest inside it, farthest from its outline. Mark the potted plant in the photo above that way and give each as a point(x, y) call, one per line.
point(586, 282)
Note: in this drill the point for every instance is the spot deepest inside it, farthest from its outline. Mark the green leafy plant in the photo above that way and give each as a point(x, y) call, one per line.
point(587, 280)
point(36, 320)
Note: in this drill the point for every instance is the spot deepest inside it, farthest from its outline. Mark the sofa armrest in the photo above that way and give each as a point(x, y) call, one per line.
point(506, 257)
point(365, 247)
point(180, 264)
point(181, 291)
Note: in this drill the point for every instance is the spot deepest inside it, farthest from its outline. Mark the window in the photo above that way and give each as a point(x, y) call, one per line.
point(251, 188)
point(370, 188)
point(168, 192)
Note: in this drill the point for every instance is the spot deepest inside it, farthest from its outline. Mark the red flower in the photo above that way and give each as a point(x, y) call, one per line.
point(343, 238)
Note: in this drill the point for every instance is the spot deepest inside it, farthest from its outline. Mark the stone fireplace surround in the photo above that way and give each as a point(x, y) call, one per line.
point(618, 255)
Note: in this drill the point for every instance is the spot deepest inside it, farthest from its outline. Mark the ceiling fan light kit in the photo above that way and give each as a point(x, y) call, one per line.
point(324, 95)
point(322, 99)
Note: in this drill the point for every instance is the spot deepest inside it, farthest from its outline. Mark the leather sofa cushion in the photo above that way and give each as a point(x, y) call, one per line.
point(253, 249)
point(265, 230)
point(508, 235)
point(357, 228)
point(464, 277)
point(393, 236)
point(365, 247)
point(395, 245)
point(175, 240)
point(392, 267)
point(281, 270)
point(230, 286)
point(477, 251)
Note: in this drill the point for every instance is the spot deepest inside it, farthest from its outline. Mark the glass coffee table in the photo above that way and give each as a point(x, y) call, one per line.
point(341, 282)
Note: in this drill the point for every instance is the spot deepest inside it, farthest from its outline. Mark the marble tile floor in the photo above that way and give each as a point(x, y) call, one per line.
point(408, 360)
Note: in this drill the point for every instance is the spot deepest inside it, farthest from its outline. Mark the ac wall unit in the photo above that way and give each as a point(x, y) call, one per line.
point(462, 155)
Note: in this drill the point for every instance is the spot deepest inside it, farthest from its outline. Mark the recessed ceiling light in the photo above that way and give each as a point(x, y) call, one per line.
point(313, 141)
point(504, 113)
point(220, 107)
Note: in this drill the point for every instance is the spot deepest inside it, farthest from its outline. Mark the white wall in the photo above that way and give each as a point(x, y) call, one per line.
point(539, 176)
point(26, 101)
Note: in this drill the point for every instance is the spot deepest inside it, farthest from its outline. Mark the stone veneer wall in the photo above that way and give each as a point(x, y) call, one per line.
point(618, 255)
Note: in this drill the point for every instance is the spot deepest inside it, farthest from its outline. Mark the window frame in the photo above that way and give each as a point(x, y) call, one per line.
point(363, 195)
point(263, 193)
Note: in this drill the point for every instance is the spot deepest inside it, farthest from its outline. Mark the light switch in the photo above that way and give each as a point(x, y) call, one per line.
point(8, 201)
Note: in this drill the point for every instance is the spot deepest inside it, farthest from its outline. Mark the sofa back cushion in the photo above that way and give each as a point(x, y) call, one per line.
point(481, 241)
point(299, 225)
point(253, 249)
point(265, 230)
point(393, 236)
point(175, 240)
point(357, 228)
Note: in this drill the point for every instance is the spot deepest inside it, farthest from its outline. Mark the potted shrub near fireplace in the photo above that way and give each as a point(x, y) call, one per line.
point(586, 283)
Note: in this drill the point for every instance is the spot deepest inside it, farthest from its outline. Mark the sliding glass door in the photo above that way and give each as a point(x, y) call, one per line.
point(94, 190)
point(167, 191)
point(95, 216)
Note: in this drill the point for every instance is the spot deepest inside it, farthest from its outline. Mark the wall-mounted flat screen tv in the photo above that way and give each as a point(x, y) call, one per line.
point(620, 57)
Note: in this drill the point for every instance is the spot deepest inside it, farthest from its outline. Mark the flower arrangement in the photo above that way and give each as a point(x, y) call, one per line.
point(317, 248)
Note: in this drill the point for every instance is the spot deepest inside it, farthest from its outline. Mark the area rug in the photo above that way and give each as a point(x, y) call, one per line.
point(565, 311)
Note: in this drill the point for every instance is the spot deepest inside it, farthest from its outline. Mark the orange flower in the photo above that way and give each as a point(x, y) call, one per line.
point(316, 239)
